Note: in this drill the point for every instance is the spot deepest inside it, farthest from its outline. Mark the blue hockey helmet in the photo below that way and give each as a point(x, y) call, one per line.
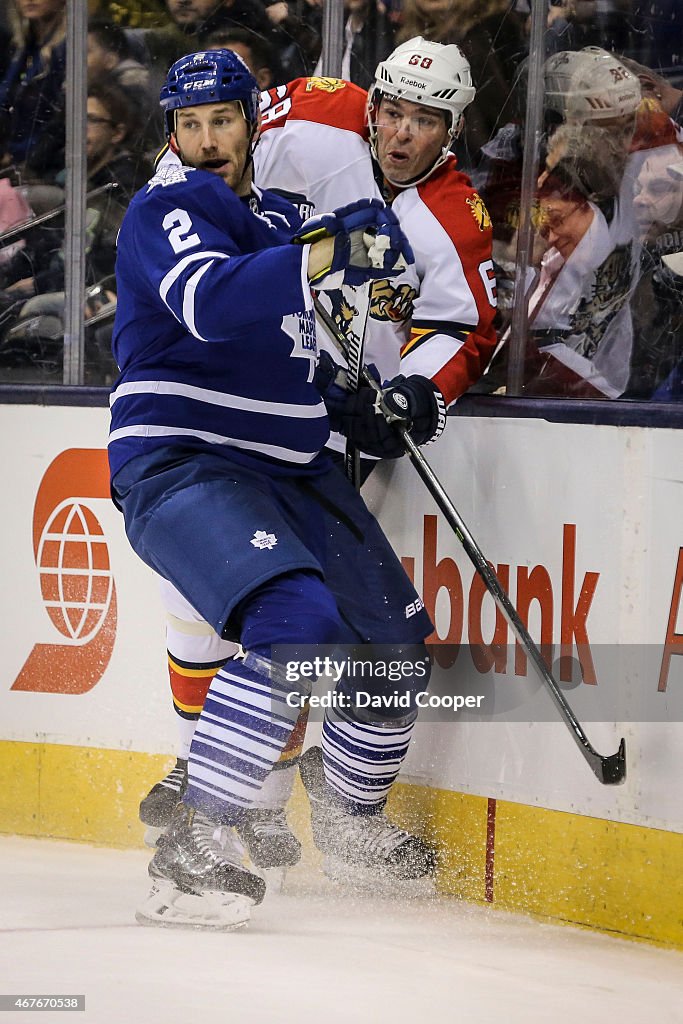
point(210, 76)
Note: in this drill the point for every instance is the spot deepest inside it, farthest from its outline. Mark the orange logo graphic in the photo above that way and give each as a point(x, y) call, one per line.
point(76, 580)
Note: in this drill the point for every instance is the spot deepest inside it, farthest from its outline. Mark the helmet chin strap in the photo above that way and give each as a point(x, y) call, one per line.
point(441, 159)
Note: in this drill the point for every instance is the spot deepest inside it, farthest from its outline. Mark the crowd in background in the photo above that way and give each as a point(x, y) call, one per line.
point(611, 184)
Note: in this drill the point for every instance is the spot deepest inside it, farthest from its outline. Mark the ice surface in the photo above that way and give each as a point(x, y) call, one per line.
point(312, 954)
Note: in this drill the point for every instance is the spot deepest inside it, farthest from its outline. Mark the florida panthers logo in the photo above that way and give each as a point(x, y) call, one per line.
point(387, 302)
point(479, 212)
point(326, 84)
point(391, 302)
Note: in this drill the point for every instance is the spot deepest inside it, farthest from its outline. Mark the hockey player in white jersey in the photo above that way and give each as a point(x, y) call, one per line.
point(217, 460)
point(327, 142)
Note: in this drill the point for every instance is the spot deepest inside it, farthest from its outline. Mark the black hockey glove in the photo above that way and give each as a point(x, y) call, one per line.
point(368, 243)
point(369, 420)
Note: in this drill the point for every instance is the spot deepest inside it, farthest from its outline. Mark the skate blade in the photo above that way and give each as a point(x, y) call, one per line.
point(375, 881)
point(167, 906)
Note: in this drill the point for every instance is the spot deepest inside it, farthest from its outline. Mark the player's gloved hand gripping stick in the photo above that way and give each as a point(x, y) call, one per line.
point(609, 769)
point(368, 244)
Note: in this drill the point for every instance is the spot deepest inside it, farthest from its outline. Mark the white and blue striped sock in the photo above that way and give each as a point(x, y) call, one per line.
point(362, 761)
point(244, 725)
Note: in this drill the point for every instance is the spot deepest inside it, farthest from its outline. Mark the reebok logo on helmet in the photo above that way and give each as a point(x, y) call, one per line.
point(412, 82)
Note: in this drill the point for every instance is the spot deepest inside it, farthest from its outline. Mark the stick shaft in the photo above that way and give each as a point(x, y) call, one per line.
point(609, 769)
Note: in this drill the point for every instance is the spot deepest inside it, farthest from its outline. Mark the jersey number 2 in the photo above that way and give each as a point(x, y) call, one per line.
point(180, 225)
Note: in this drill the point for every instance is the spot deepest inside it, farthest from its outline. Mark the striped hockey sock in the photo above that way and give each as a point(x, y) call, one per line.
point(190, 682)
point(362, 761)
point(244, 726)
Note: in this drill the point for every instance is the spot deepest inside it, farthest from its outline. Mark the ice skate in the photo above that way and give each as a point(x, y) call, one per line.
point(363, 846)
point(272, 846)
point(156, 809)
point(269, 839)
point(199, 879)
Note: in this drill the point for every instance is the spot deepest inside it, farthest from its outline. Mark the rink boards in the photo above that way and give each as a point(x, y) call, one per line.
point(582, 525)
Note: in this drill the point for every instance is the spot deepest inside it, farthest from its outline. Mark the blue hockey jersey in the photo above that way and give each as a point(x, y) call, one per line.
point(214, 332)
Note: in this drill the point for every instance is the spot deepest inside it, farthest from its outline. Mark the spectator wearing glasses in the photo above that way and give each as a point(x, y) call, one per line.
point(579, 317)
point(37, 272)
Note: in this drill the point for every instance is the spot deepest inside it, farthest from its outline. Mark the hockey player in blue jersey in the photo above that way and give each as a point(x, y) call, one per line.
point(216, 458)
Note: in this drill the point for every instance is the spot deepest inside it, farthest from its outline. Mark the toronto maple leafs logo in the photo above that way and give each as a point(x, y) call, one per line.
point(262, 540)
point(168, 171)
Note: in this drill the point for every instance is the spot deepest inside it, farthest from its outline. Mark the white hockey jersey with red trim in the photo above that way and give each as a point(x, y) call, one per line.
point(434, 319)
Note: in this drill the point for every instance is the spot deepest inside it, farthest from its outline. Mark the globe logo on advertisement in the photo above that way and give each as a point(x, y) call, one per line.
point(76, 581)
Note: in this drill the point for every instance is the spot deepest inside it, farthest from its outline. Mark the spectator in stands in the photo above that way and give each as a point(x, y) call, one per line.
point(658, 302)
point(580, 327)
point(571, 299)
point(112, 125)
point(575, 24)
point(293, 29)
point(31, 93)
point(109, 54)
point(132, 14)
point(37, 272)
point(190, 24)
point(296, 35)
point(368, 39)
point(256, 52)
point(193, 21)
point(491, 36)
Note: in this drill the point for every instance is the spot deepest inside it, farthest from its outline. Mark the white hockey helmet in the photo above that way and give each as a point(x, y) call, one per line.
point(425, 72)
point(589, 85)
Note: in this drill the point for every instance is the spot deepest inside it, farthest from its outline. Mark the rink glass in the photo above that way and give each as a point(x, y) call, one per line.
point(57, 304)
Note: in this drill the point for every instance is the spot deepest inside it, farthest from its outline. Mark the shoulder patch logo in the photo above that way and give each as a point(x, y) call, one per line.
point(262, 540)
point(166, 175)
point(479, 211)
point(326, 84)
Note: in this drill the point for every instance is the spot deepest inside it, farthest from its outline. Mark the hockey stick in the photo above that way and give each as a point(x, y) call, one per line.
point(609, 769)
point(355, 346)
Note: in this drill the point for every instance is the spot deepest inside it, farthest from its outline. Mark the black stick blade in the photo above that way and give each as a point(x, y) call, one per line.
point(612, 769)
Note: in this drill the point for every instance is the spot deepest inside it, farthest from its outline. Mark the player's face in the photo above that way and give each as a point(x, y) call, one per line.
point(410, 137)
point(215, 137)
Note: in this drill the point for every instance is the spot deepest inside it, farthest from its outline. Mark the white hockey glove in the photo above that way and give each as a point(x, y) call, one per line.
point(368, 244)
